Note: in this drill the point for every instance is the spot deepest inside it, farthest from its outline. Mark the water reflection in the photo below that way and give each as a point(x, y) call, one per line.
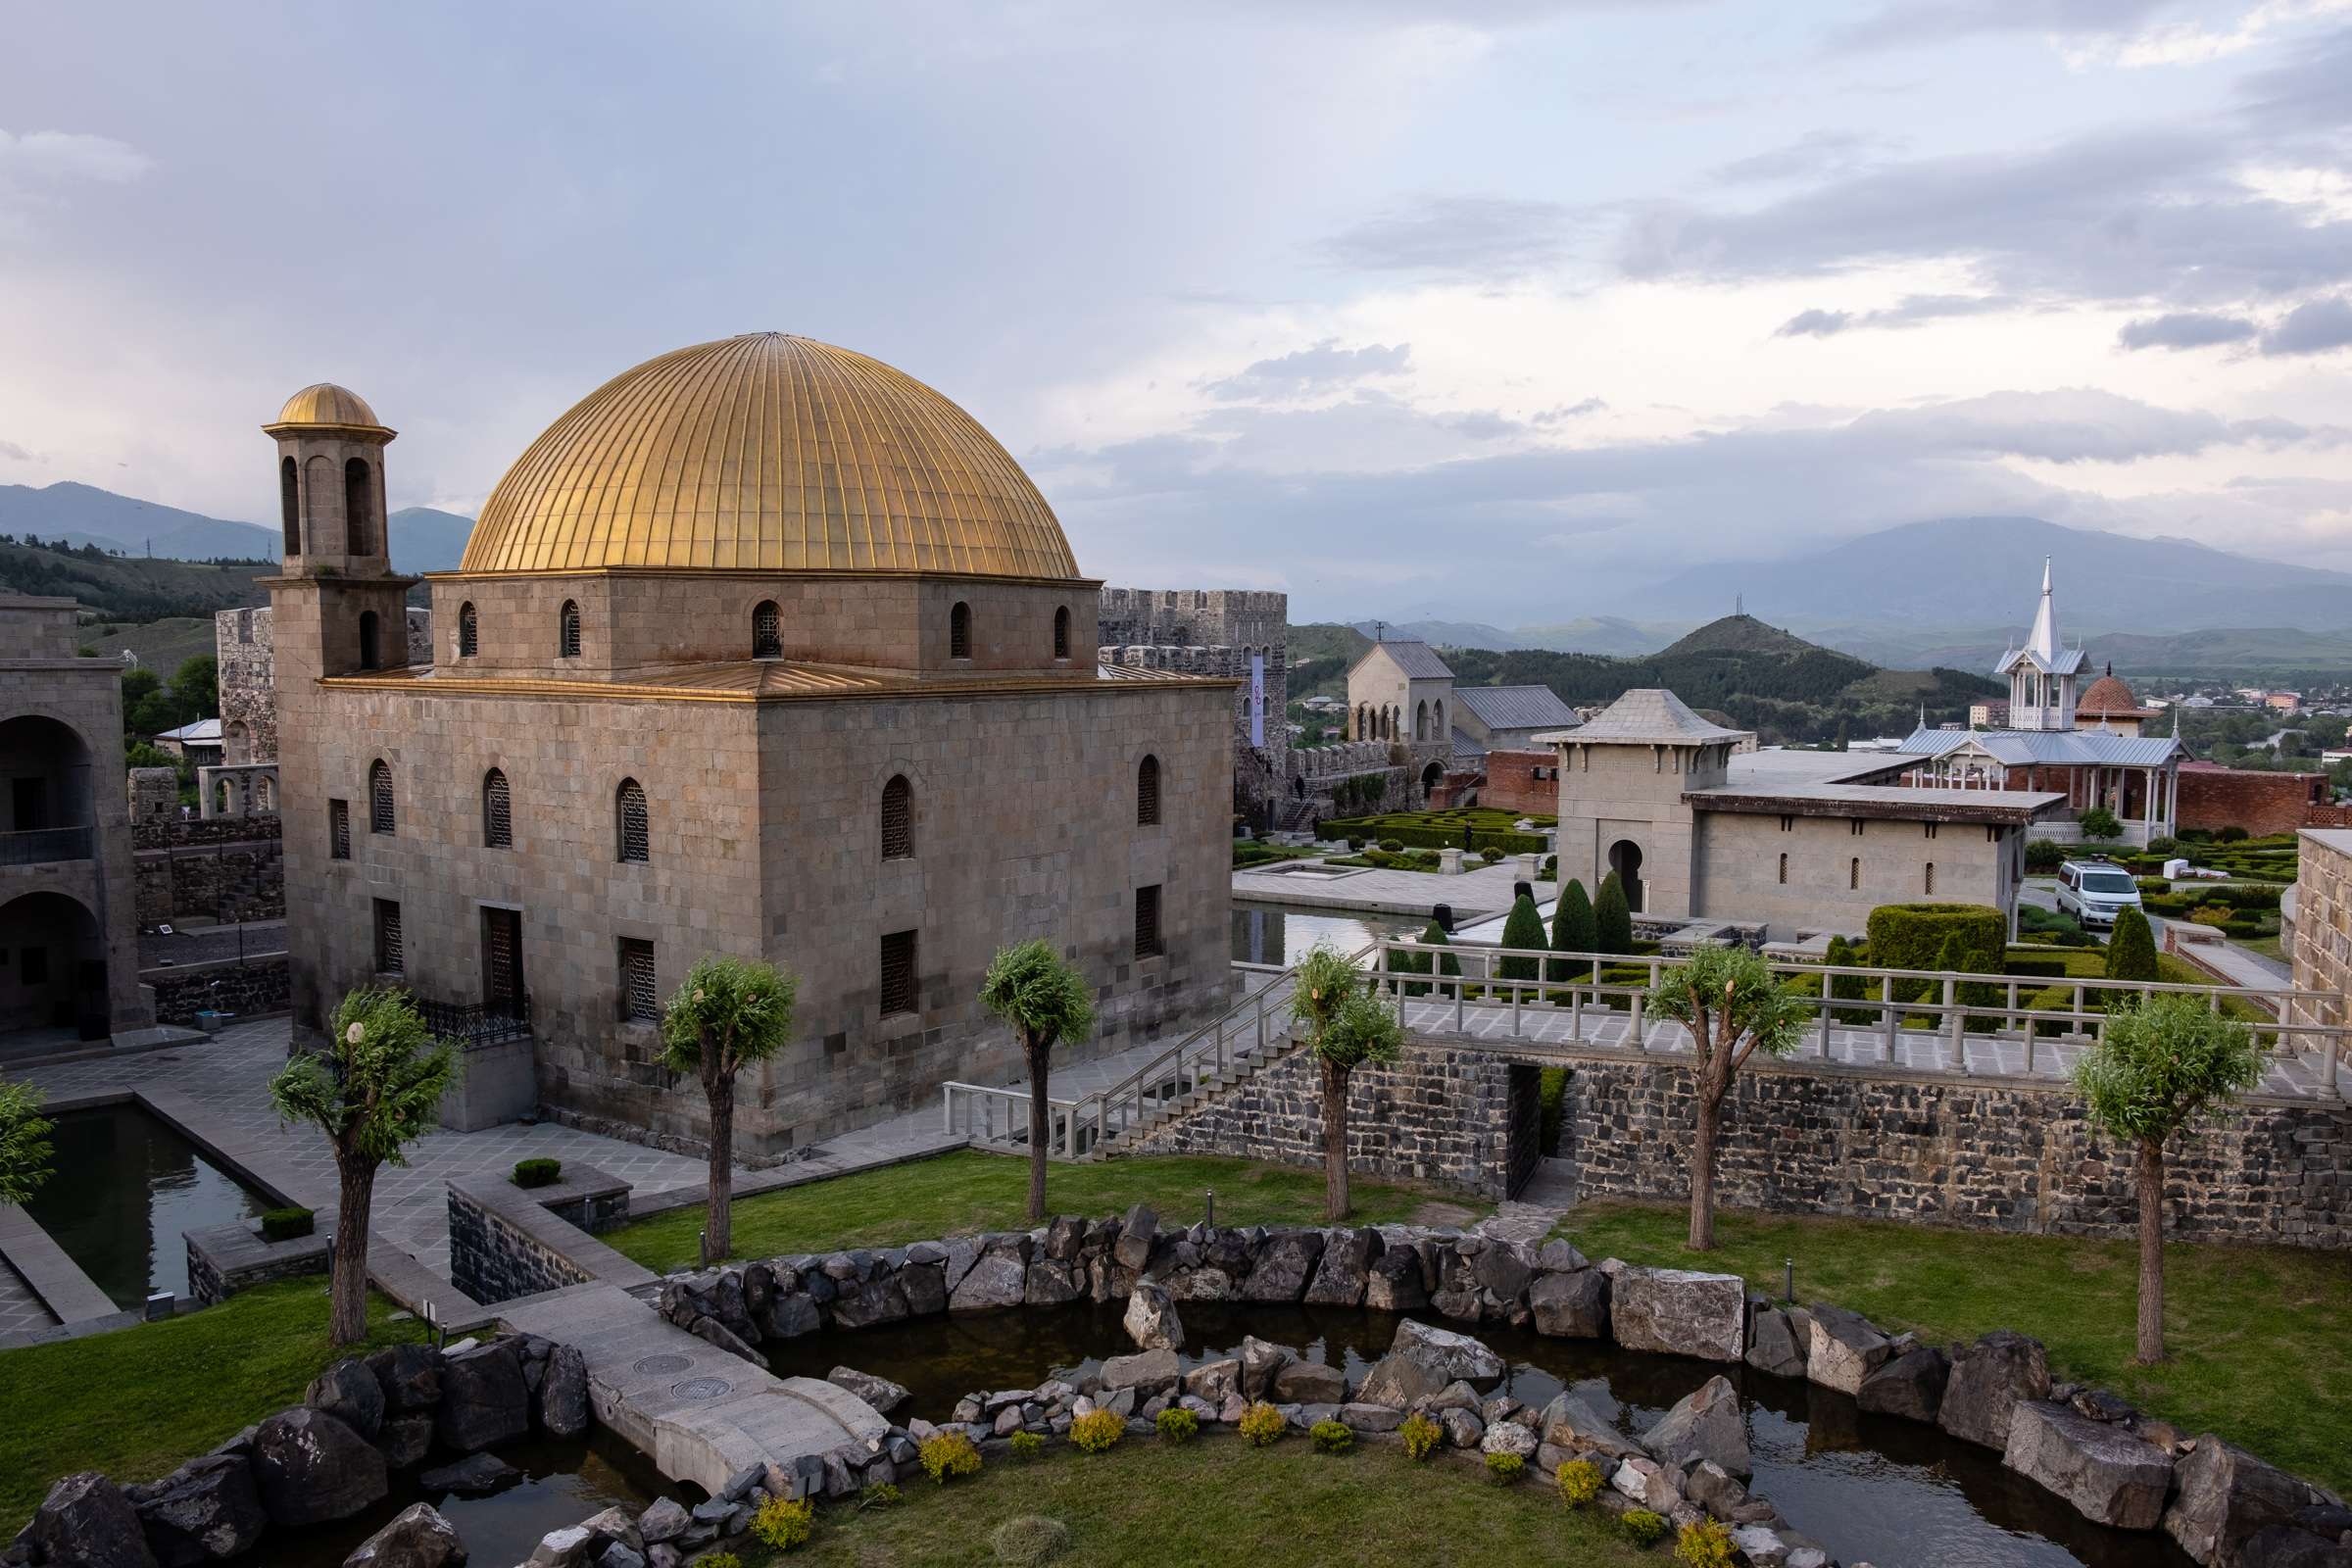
point(124, 1191)
point(1283, 934)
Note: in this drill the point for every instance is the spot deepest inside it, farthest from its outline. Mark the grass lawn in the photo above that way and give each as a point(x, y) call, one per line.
point(958, 1194)
point(2261, 1338)
point(138, 1402)
point(1218, 1500)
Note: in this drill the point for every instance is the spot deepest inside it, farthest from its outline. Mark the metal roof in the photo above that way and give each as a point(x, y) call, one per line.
point(1516, 707)
point(1877, 801)
point(1417, 660)
point(2018, 748)
point(1653, 714)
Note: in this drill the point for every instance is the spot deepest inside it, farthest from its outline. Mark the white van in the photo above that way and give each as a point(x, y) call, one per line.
point(2093, 891)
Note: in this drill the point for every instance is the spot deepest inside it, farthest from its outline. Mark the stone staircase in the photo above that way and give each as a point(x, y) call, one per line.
point(1254, 1032)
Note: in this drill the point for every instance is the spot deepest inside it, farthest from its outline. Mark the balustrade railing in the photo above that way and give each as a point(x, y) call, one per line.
point(475, 1023)
point(36, 845)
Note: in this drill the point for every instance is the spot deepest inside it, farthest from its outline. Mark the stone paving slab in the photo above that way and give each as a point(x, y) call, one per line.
point(21, 1308)
point(1488, 889)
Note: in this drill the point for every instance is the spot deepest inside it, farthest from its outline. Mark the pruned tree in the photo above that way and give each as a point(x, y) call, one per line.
point(1347, 1027)
point(2163, 1061)
point(24, 1147)
point(1571, 928)
point(1729, 999)
point(1612, 918)
point(2132, 947)
point(375, 1088)
point(1046, 1001)
point(1845, 987)
point(2098, 822)
point(729, 1014)
point(1522, 928)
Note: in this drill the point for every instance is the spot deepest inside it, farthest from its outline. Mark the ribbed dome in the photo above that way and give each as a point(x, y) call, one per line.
point(2108, 695)
point(326, 404)
point(768, 453)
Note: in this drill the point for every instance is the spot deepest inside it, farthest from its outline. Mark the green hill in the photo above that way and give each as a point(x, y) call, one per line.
point(1739, 634)
point(133, 588)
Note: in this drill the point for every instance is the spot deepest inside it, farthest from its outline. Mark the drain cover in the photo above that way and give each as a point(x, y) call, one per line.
point(657, 1366)
point(701, 1388)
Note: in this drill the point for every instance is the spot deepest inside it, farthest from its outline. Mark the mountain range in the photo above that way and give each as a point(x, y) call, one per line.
point(423, 539)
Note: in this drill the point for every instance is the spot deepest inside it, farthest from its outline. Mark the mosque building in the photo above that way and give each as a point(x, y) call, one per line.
point(764, 648)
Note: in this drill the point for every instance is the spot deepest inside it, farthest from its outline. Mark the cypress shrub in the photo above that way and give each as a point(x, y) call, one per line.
point(1402, 963)
point(2131, 948)
point(1612, 919)
point(1571, 928)
point(1846, 987)
point(1955, 957)
point(1444, 963)
point(1522, 928)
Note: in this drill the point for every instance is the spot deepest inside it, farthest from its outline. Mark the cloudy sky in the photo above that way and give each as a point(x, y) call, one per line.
point(1495, 309)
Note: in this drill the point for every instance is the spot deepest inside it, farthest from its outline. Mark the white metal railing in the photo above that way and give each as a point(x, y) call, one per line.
point(1571, 986)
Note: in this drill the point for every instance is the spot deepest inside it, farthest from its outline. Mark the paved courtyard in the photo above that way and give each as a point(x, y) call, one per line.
point(1488, 889)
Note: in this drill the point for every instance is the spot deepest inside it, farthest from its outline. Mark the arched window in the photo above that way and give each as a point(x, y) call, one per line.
point(630, 822)
point(266, 792)
point(567, 630)
point(1929, 881)
point(1061, 632)
point(1436, 721)
point(1784, 870)
point(960, 631)
point(290, 504)
point(497, 812)
point(1854, 874)
point(359, 509)
point(369, 641)
point(470, 632)
point(240, 743)
point(768, 630)
point(1421, 722)
point(379, 797)
point(1146, 793)
point(898, 819)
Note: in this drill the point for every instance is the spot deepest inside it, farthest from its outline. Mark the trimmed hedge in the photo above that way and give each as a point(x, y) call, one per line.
point(287, 1224)
point(1912, 936)
point(1436, 837)
point(538, 1172)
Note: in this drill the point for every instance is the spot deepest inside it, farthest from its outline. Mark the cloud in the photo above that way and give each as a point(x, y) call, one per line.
point(1481, 238)
point(14, 453)
point(1815, 324)
point(1913, 310)
point(1919, 21)
point(1814, 153)
point(2184, 43)
point(2310, 91)
point(2312, 328)
point(62, 154)
point(1568, 411)
point(2184, 329)
point(1313, 369)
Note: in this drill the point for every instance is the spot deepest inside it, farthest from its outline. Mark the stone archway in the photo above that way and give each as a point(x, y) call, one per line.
point(56, 979)
point(1625, 859)
point(1430, 777)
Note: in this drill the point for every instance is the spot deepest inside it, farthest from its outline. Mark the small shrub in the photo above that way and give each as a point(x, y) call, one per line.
point(1097, 1430)
point(537, 1172)
point(1642, 1528)
point(1391, 844)
point(1026, 1445)
point(2231, 835)
point(1504, 1468)
point(719, 1559)
point(2043, 854)
point(1704, 1544)
point(286, 1224)
point(949, 1455)
point(1028, 1539)
point(1355, 841)
point(1490, 854)
point(785, 1523)
point(1420, 1435)
point(2098, 822)
point(1262, 1424)
point(1331, 1437)
point(1579, 1481)
point(881, 1495)
point(1177, 1424)
point(2163, 847)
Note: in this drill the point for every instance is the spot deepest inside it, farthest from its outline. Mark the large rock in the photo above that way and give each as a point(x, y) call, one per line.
point(1260, 1360)
point(1775, 1344)
point(419, 1538)
point(1310, 1383)
point(1148, 1372)
point(87, 1521)
point(2286, 1547)
point(1674, 1311)
point(483, 1397)
point(792, 1313)
point(478, 1475)
point(880, 1392)
point(204, 1511)
point(1215, 1381)
point(310, 1468)
point(1845, 1348)
point(1448, 1355)
point(713, 1330)
point(1284, 1266)
point(1344, 1267)
point(349, 1389)
point(2110, 1475)
point(1395, 1282)
point(560, 1401)
point(1571, 1421)
point(997, 1281)
point(2226, 1497)
point(876, 1301)
point(1508, 1437)
point(1705, 1427)
point(1574, 1306)
point(1987, 1383)
point(1910, 1386)
point(404, 1439)
point(1152, 1320)
point(409, 1376)
point(1137, 1232)
point(1504, 1269)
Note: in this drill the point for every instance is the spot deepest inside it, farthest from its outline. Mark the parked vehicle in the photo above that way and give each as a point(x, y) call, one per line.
point(2093, 892)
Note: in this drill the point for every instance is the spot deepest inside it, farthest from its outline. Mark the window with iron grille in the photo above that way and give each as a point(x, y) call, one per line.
point(632, 822)
point(379, 797)
point(767, 631)
point(1854, 874)
point(640, 1001)
point(338, 830)
point(469, 641)
point(1061, 632)
point(388, 956)
point(1783, 869)
point(1928, 883)
point(498, 818)
point(1146, 793)
point(1147, 922)
point(898, 973)
point(960, 631)
point(898, 819)
point(568, 635)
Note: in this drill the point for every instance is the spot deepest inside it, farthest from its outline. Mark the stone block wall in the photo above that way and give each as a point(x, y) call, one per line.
point(492, 1258)
point(1970, 1152)
point(241, 643)
point(247, 881)
point(248, 990)
point(223, 1259)
point(1437, 1115)
point(175, 832)
point(1214, 632)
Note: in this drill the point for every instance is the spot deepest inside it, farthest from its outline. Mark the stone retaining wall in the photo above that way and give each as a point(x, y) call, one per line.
point(223, 1259)
point(1972, 1153)
point(507, 1242)
point(181, 832)
point(249, 988)
point(176, 884)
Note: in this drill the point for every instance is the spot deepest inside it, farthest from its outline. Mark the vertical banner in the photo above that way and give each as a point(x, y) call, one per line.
point(1257, 699)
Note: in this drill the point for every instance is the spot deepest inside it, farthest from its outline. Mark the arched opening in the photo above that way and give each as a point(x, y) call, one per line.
point(1421, 722)
point(359, 509)
point(264, 793)
point(1061, 632)
point(960, 631)
point(290, 504)
point(318, 492)
point(898, 819)
point(1436, 720)
point(1625, 859)
point(632, 828)
point(469, 631)
point(567, 630)
point(236, 742)
point(225, 798)
point(1364, 722)
point(498, 812)
point(768, 630)
point(46, 800)
point(1146, 793)
point(368, 649)
point(54, 986)
point(1430, 777)
point(381, 817)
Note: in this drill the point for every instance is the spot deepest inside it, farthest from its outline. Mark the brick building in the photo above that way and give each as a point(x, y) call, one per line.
point(2262, 802)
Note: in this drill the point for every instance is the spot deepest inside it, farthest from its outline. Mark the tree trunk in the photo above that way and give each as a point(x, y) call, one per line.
point(718, 1222)
point(1040, 1122)
point(347, 1317)
point(2152, 1251)
point(1702, 1175)
point(1335, 1142)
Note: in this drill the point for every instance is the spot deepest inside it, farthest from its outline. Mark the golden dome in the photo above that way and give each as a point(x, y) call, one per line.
point(768, 453)
point(326, 404)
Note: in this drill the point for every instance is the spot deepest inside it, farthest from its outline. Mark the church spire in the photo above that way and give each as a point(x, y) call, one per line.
point(2044, 641)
